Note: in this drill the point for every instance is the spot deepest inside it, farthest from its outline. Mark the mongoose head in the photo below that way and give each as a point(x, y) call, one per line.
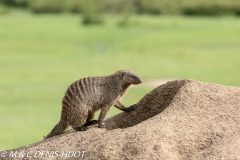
point(129, 77)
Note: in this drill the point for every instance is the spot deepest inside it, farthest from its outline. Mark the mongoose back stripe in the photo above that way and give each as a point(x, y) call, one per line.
point(76, 88)
point(65, 102)
point(70, 93)
point(81, 88)
point(89, 85)
point(67, 98)
point(84, 84)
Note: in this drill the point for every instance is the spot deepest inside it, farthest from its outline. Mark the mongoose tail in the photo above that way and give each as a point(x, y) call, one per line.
point(60, 127)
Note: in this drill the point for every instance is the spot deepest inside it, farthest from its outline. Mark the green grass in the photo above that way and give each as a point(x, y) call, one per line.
point(42, 54)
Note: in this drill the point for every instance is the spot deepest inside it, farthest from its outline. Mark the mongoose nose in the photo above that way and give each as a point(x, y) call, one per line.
point(138, 81)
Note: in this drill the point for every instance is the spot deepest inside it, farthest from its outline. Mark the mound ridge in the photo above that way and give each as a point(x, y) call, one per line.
point(182, 119)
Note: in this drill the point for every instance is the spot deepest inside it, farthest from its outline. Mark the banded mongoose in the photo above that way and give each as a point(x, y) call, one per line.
point(87, 95)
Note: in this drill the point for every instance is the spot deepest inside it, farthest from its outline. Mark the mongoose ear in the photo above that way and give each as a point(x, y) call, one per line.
point(121, 73)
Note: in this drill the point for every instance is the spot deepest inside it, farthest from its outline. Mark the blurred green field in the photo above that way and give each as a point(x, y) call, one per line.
point(40, 55)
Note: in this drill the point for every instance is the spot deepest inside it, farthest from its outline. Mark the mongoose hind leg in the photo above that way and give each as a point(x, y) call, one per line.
point(78, 119)
point(90, 120)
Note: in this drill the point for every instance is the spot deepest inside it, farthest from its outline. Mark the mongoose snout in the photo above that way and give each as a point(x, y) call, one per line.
point(132, 78)
point(89, 94)
point(136, 81)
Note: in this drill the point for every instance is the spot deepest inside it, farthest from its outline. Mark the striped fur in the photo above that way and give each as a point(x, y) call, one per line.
point(87, 95)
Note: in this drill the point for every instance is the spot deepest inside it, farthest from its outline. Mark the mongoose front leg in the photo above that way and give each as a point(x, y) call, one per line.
point(120, 106)
point(102, 115)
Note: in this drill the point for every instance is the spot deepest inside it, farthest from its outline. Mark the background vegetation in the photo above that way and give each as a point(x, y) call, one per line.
point(41, 54)
point(187, 7)
point(93, 10)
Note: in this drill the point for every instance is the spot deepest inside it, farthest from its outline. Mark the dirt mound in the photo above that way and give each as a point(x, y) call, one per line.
point(182, 119)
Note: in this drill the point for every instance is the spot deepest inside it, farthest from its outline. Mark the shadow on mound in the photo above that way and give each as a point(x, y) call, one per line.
point(150, 105)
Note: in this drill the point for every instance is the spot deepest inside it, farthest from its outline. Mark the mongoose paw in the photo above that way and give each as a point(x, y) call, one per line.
point(95, 121)
point(83, 128)
point(92, 122)
point(130, 109)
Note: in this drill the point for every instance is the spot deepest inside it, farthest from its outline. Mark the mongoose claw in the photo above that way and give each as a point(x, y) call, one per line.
point(101, 126)
point(83, 128)
point(130, 109)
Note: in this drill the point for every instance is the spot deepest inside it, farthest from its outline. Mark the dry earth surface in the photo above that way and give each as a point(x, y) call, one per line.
point(181, 119)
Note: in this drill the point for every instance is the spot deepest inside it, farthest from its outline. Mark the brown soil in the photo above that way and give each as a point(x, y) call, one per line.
point(182, 119)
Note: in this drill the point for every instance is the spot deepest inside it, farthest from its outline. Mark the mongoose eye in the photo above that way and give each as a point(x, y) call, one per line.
point(133, 77)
